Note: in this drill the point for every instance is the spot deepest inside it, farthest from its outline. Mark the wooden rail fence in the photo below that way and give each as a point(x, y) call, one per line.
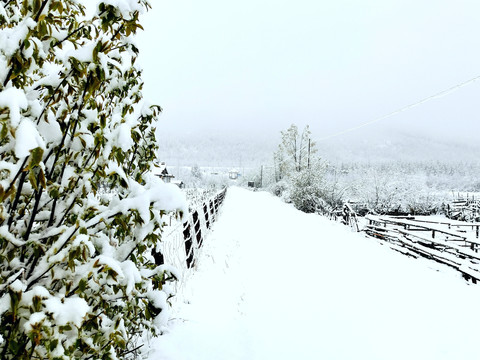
point(189, 235)
point(450, 242)
point(447, 241)
point(466, 209)
point(346, 215)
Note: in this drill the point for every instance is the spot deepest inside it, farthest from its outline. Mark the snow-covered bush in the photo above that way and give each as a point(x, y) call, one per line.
point(298, 172)
point(307, 188)
point(400, 188)
point(77, 278)
point(196, 197)
point(280, 188)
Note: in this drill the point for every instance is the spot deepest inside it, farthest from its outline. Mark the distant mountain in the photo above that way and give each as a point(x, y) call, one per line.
point(387, 146)
point(238, 150)
point(216, 150)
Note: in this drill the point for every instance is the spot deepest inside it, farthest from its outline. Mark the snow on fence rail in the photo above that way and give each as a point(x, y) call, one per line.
point(466, 209)
point(182, 241)
point(346, 215)
point(450, 242)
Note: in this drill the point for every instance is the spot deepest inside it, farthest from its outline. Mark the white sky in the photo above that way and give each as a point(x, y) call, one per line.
point(258, 66)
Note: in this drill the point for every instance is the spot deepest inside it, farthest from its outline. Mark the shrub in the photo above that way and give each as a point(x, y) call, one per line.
point(77, 279)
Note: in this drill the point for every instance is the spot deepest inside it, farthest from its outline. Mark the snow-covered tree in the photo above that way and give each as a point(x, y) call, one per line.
point(77, 278)
point(298, 171)
point(295, 151)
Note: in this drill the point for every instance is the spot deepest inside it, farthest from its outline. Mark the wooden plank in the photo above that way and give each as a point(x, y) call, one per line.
point(454, 223)
point(467, 239)
point(473, 273)
point(442, 251)
point(409, 223)
point(439, 256)
point(456, 248)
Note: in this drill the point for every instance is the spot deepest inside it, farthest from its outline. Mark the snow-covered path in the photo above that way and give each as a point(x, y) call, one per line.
point(275, 283)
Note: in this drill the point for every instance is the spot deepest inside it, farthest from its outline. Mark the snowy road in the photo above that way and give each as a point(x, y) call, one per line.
point(275, 283)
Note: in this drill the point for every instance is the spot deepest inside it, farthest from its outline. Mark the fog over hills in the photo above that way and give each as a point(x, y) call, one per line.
point(216, 150)
point(408, 68)
point(255, 149)
point(398, 146)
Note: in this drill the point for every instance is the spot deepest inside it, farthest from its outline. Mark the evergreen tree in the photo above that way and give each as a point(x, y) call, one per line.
point(77, 279)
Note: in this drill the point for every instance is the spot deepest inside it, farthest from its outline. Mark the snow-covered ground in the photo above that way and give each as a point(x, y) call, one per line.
point(275, 283)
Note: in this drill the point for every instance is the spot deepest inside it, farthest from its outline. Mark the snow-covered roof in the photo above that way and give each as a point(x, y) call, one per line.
point(160, 169)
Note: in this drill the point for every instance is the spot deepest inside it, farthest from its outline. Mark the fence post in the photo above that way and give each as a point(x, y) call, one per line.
point(205, 213)
point(196, 226)
point(187, 235)
point(158, 257)
point(212, 210)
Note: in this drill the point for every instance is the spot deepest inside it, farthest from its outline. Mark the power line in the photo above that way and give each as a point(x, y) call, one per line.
point(408, 107)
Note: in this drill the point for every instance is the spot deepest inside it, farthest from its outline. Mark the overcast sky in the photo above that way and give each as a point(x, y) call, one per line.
point(256, 66)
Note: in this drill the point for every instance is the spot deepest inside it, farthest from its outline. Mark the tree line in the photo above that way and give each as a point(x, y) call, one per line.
point(312, 184)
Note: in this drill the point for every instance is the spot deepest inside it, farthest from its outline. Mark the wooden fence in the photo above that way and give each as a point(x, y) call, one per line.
point(450, 242)
point(346, 215)
point(182, 242)
point(465, 209)
point(194, 232)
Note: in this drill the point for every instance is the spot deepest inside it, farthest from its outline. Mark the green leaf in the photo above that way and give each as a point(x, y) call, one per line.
point(33, 180)
point(65, 328)
point(36, 6)
point(82, 285)
point(53, 344)
point(13, 345)
point(54, 192)
point(41, 178)
point(36, 156)
point(37, 303)
point(4, 131)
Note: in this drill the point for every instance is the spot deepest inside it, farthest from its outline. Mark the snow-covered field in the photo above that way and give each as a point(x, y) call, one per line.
point(275, 283)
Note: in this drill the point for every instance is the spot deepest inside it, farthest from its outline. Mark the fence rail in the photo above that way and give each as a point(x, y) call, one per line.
point(466, 209)
point(449, 242)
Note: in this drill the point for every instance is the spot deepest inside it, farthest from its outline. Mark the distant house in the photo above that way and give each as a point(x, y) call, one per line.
point(179, 183)
point(233, 174)
point(161, 171)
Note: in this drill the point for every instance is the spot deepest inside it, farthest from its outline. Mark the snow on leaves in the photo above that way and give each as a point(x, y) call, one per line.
point(80, 210)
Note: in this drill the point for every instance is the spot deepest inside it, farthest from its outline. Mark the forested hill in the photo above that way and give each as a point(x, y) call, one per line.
point(405, 147)
point(217, 150)
point(234, 150)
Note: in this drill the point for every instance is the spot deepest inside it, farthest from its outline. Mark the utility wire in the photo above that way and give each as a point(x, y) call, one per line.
point(408, 107)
